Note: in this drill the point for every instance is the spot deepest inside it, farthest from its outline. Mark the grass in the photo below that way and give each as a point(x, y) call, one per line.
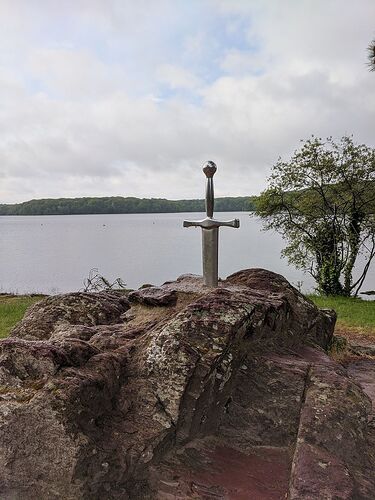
point(12, 309)
point(352, 313)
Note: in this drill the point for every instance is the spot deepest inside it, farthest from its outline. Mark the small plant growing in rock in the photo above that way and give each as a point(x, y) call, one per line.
point(371, 55)
point(95, 282)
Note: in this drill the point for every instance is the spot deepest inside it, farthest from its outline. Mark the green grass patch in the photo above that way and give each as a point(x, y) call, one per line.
point(350, 311)
point(12, 309)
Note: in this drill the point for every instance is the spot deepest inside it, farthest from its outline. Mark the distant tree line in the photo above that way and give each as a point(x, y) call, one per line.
point(120, 205)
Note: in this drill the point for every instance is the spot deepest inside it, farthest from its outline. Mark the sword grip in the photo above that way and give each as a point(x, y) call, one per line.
point(210, 197)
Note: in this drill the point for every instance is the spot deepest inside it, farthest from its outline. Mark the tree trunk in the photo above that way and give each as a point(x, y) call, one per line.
point(354, 232)
point(329, 278)
point(329, 263)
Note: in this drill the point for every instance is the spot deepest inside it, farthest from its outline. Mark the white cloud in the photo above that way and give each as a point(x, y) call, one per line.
point(85, 109)
point(238, 62)
point(177, 77)
point(70, 74)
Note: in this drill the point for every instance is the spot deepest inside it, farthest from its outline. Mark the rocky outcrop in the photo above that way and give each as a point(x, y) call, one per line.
point(103, 397)
point(89, 309)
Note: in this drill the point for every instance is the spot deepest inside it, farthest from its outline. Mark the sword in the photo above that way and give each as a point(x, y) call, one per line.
point(210, 230)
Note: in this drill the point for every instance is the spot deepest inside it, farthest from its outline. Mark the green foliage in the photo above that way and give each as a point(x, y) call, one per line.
point(322, 201)
point(12, 309)
point(120, 205)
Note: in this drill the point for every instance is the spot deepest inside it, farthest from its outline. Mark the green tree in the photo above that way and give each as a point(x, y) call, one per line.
point(322, 201)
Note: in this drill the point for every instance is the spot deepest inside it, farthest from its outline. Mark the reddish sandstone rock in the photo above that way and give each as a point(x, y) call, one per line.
point(154, 296)
point(96, 397)
point(81, 308)
point(333, 456)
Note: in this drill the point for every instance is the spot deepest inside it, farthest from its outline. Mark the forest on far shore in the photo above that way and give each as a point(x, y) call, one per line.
point(121, 205)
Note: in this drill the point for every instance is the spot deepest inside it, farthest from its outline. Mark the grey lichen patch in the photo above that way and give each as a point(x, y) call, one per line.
point(231, 317)
point(163, 419)
point(17, 394)
point(227, 370)
point(167, 361)
point(203, 330)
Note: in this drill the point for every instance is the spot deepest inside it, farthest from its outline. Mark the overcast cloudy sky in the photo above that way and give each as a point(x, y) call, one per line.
point(124, 97)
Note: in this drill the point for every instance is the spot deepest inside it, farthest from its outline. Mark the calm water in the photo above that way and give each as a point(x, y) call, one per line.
point(53, 254)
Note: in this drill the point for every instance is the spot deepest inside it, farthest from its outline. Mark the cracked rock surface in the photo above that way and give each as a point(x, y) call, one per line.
point(104, 398)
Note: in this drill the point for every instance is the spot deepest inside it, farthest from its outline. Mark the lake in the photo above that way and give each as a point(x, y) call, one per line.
point(54, 254)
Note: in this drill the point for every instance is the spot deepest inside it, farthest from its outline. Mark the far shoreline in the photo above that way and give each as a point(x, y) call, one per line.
point(121, 205)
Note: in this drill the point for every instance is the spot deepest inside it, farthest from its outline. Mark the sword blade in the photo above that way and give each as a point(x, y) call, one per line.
point(210, 253)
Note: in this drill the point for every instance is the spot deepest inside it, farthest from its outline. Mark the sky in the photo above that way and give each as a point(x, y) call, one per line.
point(130, 98)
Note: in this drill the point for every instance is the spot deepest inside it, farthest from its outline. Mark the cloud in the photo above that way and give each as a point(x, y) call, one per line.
point(102, 98)
point(70, 74)
point(240, 63)
point(177, 77)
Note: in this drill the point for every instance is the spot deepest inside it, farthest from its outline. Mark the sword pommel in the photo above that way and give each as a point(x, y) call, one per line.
point(209, 168)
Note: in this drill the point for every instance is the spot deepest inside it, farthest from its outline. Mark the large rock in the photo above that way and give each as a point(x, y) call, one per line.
point(101, 397)
point(81, 308)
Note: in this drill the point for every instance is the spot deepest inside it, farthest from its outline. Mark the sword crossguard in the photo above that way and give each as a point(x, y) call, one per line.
point(209, 223)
